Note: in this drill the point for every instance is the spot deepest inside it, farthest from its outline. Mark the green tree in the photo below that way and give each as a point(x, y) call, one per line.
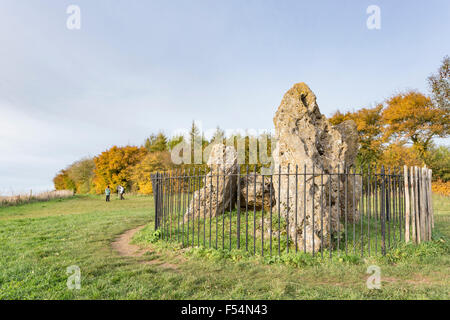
point(156, 142)
point(174, 141)
point(82, 173)
point(219, 135)
point(194, 133)
point(438, 159)
point(440, 85)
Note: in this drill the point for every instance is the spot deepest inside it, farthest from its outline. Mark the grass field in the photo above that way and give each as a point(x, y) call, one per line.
point(40, 240)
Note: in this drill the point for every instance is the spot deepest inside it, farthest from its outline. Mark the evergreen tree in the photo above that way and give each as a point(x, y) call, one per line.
point(156, 142)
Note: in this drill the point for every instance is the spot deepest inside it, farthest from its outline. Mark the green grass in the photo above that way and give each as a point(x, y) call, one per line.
point(40, 240)
point(441, 208)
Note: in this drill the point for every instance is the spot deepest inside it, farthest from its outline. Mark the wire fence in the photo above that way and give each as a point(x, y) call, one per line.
point(323, 212)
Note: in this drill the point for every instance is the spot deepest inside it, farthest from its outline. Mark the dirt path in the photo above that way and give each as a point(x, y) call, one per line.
point(123, 246)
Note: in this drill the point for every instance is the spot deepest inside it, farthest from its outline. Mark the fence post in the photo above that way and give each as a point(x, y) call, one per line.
point(383, 212)
point(430, 214)
point(423, 212)
point(238, 192)
point(154, 178)
point(427, 189)
point(416, 203)
point(411, 204)
point(427, 201)
point(430, 176)
point(405, 170)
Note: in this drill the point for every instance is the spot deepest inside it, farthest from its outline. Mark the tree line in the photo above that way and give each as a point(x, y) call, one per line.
point(399, 131)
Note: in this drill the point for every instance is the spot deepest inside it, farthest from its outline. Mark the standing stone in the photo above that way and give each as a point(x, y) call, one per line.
point(251, 192)
point(305, 137)
point(219, 186)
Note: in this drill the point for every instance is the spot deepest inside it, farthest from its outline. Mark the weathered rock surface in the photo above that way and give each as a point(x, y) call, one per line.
point(218, 194)
point(305, 137)
point(251, 192)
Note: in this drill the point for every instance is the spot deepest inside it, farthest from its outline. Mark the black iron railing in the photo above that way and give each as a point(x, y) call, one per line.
point(321, 211)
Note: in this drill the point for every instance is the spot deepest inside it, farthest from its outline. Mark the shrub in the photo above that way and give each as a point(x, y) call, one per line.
point(440, 187)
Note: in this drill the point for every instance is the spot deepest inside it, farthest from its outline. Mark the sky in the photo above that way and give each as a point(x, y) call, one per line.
point(137, 67)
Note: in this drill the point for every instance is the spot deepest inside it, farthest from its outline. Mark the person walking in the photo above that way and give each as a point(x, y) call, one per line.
point(108, 194)
point(121, 192)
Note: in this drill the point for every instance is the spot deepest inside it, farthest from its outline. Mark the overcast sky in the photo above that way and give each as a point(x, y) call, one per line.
point(136, 67)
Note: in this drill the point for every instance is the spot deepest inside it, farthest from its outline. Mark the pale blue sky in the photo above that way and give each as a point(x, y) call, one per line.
point(139, 66)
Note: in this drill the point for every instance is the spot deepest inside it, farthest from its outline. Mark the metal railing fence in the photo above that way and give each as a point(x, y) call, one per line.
point(363, 211)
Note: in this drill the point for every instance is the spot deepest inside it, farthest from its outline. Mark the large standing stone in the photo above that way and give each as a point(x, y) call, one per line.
point(219, 186)
point(305, 137)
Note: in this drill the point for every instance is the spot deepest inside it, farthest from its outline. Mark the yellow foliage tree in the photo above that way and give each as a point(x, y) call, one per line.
point(151, 163)
point(398, 155)
point(412, 117)
point(115, 166)
point(62, 181)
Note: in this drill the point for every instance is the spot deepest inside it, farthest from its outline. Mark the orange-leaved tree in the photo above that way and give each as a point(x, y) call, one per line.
point(157, 161)
point(115, 166)
point(62, 181)
point(412, 117)
point(398, 155)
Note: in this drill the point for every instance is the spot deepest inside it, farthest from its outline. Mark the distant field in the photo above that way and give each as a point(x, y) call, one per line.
point(20, 199)
point(441, 207)
point(40, 240)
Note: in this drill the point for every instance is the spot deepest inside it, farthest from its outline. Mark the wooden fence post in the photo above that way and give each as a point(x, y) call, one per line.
point(413, 207)
point(428, 186)
point(428, 202)
point(423, 214)
point(405, 173)
point(430, 177)
point(416, 203)
point(424, 203)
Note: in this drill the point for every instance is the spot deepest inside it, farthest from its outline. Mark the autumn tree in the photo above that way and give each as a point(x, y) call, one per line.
point(115, 166)
point(62, 181)
point(153, 162)
point(398, 155)
point(412, 117)
point(82, 173)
